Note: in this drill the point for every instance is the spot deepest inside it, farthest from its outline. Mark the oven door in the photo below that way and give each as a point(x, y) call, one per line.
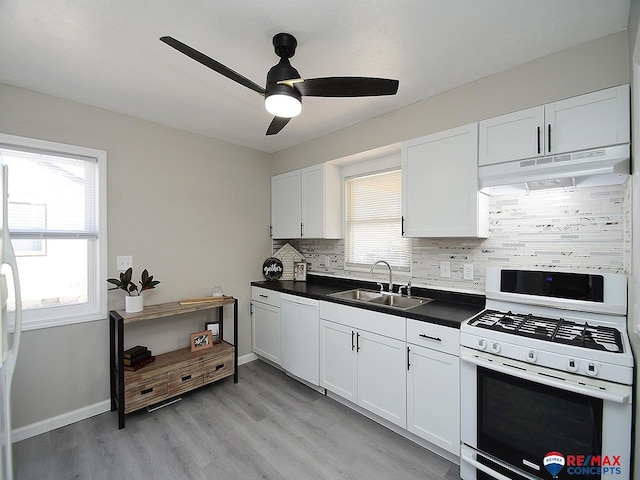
point(515, 415)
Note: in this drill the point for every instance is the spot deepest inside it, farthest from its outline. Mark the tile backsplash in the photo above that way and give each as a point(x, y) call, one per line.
point(584, 229)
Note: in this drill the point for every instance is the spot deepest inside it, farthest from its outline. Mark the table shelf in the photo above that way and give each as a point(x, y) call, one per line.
point(171, 373)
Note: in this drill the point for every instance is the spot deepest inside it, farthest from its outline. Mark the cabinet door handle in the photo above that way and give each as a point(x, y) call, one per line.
point(357, 342)
point(186, 377)
point(271, 231)
point(538, 139)
point(549, 136)
point(218, 367)
point(353, 346)
point(402, 227)
point(264, 296)
point(300, 229)
point(148, 390)
point(437, 339)
point(408, 362)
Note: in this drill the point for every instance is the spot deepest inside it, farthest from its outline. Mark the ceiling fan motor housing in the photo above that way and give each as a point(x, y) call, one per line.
point(285, 45)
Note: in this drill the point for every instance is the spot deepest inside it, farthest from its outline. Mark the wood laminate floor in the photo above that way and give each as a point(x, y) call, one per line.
point(268, 426)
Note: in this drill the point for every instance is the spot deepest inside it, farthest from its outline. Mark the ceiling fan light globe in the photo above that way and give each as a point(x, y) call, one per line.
point(282, 105)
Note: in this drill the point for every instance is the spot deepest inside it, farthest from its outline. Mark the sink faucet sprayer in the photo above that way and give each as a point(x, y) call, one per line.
point(390, 279)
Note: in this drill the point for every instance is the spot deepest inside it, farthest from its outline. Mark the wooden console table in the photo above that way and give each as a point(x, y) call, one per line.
point(172, 373)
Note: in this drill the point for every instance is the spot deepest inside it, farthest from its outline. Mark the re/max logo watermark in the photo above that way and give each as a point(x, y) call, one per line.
point(596, 465)
point(593, 465)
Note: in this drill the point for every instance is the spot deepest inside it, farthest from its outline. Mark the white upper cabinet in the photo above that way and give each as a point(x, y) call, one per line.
point(307, 203)
point(593, 120)
point(440, 195)
point(286, 205)
point(512, 136)
point(588, 121)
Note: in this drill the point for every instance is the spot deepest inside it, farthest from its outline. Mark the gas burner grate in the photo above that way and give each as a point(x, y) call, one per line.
point(552, 330)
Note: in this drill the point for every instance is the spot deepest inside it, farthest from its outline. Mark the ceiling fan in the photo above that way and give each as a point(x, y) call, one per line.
point(285, 88)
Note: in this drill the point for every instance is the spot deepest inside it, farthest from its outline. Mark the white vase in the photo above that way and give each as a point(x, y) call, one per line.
point(134, 304)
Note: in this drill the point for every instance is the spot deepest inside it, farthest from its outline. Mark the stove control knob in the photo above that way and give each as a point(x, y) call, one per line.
point(482, 344)
point(592, 369)
point(496, 347)
point(572, 365)
point(532, 356)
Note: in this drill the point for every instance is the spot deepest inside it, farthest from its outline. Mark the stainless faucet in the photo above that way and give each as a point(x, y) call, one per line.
point(407, 289)
point(390, 279)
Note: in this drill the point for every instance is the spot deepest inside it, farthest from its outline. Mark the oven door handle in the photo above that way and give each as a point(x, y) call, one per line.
point(546, 380)
point(479, 466)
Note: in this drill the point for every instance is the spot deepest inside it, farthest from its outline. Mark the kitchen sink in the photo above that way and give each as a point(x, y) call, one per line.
point(403, 303)
point(383, 299)
point(358, 294)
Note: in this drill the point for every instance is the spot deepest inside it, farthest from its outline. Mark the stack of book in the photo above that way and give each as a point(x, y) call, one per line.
point(137, 357)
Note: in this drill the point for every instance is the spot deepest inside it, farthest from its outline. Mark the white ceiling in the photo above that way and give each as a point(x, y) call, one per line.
point(106, 53)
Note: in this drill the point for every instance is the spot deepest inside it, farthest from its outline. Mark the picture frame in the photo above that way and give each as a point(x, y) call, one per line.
point(216, 330)
point(300, 272)
point(201, 340)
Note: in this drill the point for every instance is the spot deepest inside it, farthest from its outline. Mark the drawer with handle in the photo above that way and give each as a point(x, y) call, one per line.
point(185, 379)
point(436, 337)
point(218, 368)
point(270, 297)
point(145, 392)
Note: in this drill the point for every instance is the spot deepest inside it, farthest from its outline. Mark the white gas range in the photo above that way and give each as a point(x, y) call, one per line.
point(549, 352)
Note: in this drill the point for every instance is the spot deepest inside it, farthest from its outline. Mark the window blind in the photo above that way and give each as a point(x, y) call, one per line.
point(373, 223)
point(51, 196)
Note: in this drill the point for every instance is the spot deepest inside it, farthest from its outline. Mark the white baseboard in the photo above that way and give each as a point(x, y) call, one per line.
point(61, 420)
point(68, 418)
point(249, 357)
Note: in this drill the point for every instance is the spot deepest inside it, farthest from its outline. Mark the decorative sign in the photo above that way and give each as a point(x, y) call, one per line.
point(272, 268)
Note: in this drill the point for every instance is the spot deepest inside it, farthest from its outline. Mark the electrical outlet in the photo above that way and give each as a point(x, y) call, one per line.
point(468, 271)
point(124, 262)
point(445, 269)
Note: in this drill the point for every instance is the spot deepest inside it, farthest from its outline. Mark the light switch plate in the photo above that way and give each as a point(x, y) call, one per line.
point(445, 269)
point(124, 262)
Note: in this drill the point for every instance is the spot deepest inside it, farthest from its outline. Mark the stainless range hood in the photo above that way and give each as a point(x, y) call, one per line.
point(602, 166)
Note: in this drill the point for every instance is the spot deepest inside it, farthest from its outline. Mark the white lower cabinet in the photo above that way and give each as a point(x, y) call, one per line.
point(433, 397)
point(433, 384)
point(265, 324)
point(338, 360)
point(366, 368)
point(382, 383)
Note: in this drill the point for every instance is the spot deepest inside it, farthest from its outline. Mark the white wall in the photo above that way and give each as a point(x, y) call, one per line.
point(588, 67)
point(191, 209)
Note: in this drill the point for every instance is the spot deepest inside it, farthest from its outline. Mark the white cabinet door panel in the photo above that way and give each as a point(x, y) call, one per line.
point(313, 211)
point(338, 360)
point(512, 136)
point(593, 120)
point(286, 205)
point(433, 397)
point(382, 387)
point(265, 331)
point(440, 185)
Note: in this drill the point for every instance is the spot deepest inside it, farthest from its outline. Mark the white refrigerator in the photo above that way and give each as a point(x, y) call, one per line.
point(9, 342)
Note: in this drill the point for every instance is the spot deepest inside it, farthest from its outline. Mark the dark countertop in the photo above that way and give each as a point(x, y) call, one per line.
point(447, 308)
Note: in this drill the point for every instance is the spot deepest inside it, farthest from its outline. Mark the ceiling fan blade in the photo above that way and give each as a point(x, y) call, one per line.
point(277, 124)
point(212, 64)
point(347, 87)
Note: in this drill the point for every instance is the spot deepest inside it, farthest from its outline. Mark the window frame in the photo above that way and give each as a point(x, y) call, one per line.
point(96, 307)
point(365, 168)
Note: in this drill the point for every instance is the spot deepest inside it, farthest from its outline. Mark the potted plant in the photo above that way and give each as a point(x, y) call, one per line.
point(134, 301)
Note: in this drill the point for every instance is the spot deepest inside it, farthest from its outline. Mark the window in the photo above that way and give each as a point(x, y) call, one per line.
point(56, 215)
point(373, 221)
